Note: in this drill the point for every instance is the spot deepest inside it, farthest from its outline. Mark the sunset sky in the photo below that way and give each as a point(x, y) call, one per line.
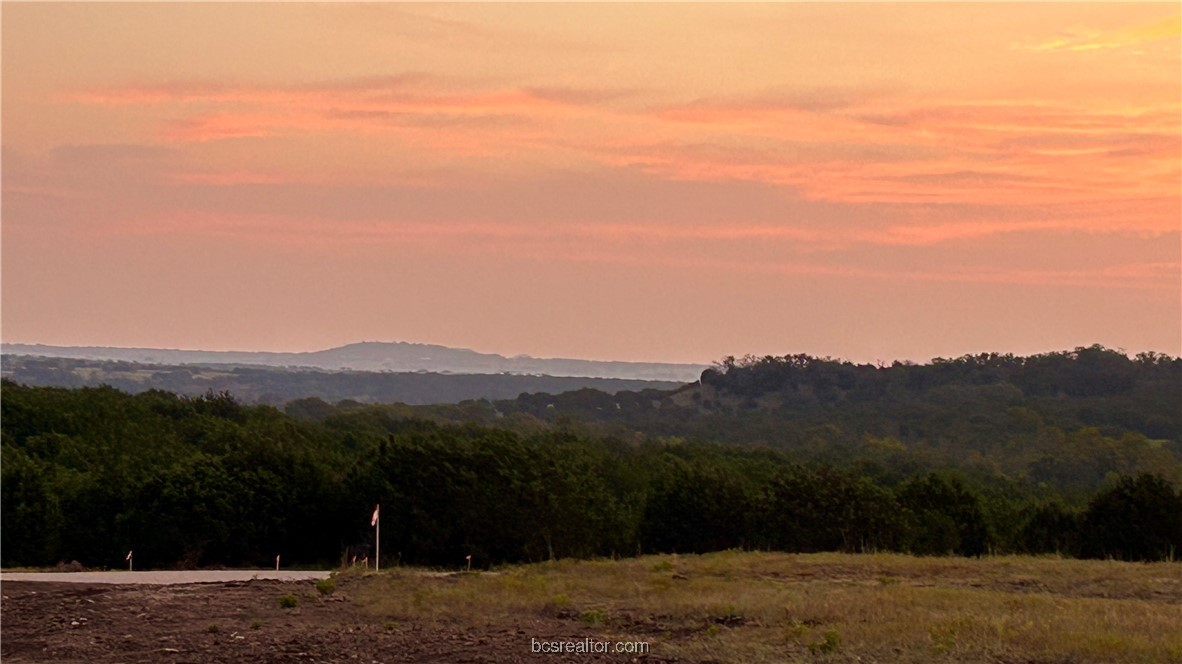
point(657, 182)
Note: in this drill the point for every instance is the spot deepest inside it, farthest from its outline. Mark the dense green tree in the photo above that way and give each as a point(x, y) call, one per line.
point(944, 516)
point(694, 507)
point(187, 481)
point(1049, 527)
point(1137, 519)
point(827, 510)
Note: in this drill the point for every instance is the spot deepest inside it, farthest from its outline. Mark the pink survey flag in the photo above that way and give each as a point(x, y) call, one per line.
point(374, 521)
point(128, 556)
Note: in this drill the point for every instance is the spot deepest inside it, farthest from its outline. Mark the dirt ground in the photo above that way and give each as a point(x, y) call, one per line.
point(749, 607)
point(243, 621)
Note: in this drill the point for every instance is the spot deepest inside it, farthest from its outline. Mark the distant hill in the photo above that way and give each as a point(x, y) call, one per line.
point(380, 356)
point(279, 385)
point(988, 397)
point(1067, 419)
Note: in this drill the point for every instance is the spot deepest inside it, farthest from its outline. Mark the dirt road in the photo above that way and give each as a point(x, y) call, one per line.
point(164, 578)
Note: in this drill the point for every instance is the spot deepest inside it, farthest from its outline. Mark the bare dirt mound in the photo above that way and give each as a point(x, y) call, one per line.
point(244, 621)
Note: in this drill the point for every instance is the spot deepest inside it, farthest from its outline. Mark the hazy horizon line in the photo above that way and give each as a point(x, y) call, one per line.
point(826, 356)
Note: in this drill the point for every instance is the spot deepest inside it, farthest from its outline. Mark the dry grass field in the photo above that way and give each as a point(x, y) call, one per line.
point(771, 607)
point(724, 607)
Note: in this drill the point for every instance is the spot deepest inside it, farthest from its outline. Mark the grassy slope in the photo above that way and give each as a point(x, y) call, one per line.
point(768, 607)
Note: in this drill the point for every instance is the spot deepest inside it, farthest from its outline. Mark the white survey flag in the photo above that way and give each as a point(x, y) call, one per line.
point(128, 556)
point(374, 521)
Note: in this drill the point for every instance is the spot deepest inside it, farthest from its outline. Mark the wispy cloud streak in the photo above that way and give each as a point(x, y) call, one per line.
point(1094, 40)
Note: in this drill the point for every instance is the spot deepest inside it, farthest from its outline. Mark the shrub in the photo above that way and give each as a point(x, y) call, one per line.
point(663, 566)
point(593, 616)
point(326, 586)
point(830, 645)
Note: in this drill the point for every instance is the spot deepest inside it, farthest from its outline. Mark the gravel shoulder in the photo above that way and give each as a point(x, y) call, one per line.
point(164, 577)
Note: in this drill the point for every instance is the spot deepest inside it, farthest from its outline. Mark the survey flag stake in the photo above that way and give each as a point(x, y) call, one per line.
point(469, 559)
point(375, 521)
point(128, 559)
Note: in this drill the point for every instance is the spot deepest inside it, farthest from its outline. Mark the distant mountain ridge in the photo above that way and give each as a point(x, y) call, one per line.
point(398, 356)
point(276, 386)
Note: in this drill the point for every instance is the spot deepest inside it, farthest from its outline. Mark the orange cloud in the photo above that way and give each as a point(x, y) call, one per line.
point(417, 110)
point(979, 150)
point(405, 94)
point(850, 147)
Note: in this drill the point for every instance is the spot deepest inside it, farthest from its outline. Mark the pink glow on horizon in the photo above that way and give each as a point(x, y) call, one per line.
point(848, 180)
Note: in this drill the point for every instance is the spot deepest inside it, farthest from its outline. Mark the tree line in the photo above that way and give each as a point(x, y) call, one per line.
point(1070, 419)
point(193, 481)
